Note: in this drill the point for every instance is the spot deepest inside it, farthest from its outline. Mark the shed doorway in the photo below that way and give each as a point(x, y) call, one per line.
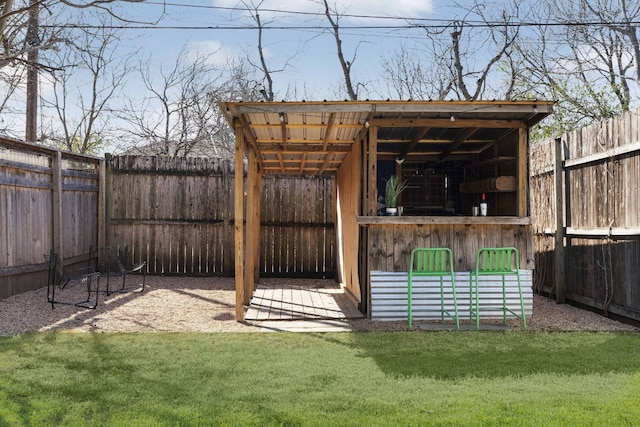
point(301, 299)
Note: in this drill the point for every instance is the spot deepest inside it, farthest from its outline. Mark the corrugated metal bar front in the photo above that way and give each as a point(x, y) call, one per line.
point(389, 295)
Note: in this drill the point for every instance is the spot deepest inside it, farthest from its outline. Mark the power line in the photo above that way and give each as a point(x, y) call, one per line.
point(463, 24)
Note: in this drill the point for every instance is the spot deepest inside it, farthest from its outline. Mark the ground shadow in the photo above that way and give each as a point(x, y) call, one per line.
point(455, 355)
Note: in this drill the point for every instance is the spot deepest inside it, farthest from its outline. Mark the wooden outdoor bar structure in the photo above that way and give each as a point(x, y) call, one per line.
point(448, 152)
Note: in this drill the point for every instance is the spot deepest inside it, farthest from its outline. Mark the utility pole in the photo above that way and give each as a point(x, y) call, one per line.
point(31, 131)
point(5, 8)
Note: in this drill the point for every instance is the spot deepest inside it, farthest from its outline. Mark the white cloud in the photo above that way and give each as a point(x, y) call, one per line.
point(216, 53)
point(399, 8)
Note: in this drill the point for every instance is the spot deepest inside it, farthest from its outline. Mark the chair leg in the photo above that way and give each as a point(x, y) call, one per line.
point(409, 304)
point(477, 303)
point(524, 317)
point(504, 301)
point(455, 301)
point(441, 300)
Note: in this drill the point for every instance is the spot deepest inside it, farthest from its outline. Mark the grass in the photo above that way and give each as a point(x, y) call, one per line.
point(392, 378)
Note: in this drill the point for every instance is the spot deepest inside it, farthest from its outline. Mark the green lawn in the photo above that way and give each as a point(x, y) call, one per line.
point(372, 379)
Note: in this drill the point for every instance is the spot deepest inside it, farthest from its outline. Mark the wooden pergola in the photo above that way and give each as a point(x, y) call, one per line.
point(347, 139)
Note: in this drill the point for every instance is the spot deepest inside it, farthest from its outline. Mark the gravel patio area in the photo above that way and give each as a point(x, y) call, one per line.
point(196, 304)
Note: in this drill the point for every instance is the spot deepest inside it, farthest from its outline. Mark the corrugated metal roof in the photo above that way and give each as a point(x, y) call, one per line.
point(315, 137)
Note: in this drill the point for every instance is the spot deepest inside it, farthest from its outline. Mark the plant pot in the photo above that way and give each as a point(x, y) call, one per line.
point(392, 211)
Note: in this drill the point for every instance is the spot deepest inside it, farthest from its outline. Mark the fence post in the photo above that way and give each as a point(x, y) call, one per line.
point(559, 238)
point(102, 227)
point(56, 202)
point(108, 198)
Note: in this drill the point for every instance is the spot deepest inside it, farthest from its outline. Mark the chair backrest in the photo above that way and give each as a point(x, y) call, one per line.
point(431, 261)
point(497, 260)
point(56, 273)
point(116, 258)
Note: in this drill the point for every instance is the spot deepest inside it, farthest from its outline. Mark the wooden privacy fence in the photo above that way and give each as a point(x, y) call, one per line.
point(590, 253)
point(177, 213)
point(48, 200)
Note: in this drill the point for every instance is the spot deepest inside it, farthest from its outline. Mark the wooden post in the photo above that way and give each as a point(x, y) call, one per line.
point(56, 200)
point(372, 187)
point(253, 219)
point(257, 224)
point(239, 221)
point(523, 173)
point(108, 198)
point(559, 238)
point(102, 197)
point(227, 213)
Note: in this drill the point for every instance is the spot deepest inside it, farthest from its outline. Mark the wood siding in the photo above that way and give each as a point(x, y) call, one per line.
point(178, 214)
point(48, 200)
point(601, 219)
point(390, 246)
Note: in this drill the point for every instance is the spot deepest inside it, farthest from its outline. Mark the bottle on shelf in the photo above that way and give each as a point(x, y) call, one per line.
point(483, 206)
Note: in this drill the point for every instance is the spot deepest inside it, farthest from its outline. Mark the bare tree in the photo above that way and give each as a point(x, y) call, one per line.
point(467, 59)
point(15, 17)
point(408, 76)
point(621, 17)
point(265, 69)
point(333, 16)
point(585, 61)
point(179, 116)
point(87, 73)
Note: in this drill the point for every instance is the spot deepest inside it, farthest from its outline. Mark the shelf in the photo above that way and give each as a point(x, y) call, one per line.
point(500, 184)
point(493, 161)
point(466, 220)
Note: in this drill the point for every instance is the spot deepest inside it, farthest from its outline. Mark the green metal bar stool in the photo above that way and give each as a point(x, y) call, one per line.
point(495, 262)
point(436, 262)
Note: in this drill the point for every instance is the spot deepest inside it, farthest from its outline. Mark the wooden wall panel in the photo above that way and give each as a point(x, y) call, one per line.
point(186, 212)
point(601, 254)
point(27, 228)
point(391, 245)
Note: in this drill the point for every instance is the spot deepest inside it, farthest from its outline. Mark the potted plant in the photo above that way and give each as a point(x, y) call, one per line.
point(392, 190)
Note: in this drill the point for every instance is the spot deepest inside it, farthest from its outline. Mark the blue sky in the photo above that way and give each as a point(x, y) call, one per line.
point(310, 52)
point(161, 31)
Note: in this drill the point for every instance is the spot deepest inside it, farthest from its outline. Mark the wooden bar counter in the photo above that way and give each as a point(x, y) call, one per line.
point(390, 239)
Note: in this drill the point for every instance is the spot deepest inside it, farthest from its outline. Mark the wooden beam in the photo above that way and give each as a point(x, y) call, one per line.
point(326, 162)
point(397, 106)
point(307, 125)
point(372, 168)
point(414, 141)
point(457, 142)
point(327, 131)
point(283, 129)
point(603, 232)
point(447, 123)
point(605, 155)
point(238, 194)
point(248, 134)
point(281, 162)
point(303, 161)
point(301, 148)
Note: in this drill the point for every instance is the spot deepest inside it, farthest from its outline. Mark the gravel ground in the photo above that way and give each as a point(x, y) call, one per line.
point(187, 304)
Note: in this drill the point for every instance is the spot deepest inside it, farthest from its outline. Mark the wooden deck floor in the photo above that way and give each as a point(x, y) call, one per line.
point(301, 299)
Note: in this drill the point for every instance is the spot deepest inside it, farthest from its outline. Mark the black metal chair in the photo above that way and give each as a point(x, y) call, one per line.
point(115, 263)
point(61, 279)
